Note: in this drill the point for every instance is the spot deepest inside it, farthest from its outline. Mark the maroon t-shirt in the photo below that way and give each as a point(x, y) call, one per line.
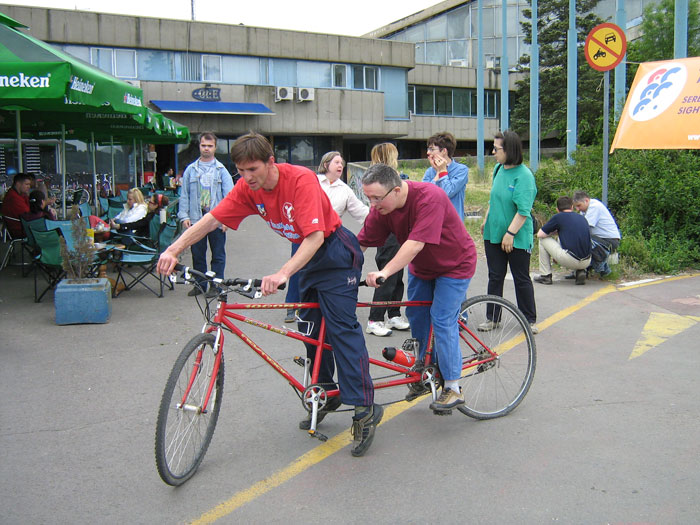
point(428, 216)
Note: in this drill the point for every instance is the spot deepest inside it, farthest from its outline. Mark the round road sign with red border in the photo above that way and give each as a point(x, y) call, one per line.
point(606, 46)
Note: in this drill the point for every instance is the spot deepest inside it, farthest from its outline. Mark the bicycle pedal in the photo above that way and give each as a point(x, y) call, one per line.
point(443, 412)
point(300, 360)
point(318, 435)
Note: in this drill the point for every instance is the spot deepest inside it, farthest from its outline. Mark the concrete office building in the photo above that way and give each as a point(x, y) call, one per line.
point(308, 92)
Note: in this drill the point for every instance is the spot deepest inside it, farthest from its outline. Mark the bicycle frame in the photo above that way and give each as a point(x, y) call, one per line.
point(227, 313)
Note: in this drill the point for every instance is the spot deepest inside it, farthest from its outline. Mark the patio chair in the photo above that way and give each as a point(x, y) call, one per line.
point(49, 261)
point(29, 227)
point(85, 209)
point(17, 242)
point(104, 206)
point(124, 194)
point(140, 260)
point(66, 229)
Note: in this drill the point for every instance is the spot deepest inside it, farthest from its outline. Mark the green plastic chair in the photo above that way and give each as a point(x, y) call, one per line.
point(66, 229)
point(48, 261)
point(140, 261)
point(104, 206)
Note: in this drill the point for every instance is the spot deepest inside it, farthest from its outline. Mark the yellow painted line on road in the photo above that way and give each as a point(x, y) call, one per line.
point(659, 327)
point(311, 458)
point(343, 439)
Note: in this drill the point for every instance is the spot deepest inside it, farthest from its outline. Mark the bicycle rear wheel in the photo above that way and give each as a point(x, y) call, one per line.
point(506, 354)
point(184, 428)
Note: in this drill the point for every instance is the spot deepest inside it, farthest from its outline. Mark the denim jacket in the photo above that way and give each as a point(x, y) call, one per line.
point(190, 191)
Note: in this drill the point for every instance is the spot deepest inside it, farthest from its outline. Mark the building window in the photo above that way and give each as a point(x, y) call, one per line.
point(425, 101)
point(190, 67)
point(443, 101)
point(101, 58)
point(211, 68)
point(411, 99)
point(125, 63)
point(365, 77)
point(452, 102)
point(340, 75)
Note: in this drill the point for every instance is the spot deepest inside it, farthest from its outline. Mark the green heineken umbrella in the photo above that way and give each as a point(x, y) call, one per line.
point(35, 75)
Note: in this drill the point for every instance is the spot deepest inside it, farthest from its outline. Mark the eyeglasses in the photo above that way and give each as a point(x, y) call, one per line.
point(432, 149)
point(375, 200)
point(496, 148)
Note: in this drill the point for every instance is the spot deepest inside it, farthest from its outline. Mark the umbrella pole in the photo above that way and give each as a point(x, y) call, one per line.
point(18, 122)
point(63, 167)
point(94, 167)
point(141, 148)
point(111, 147)
point(135, 153)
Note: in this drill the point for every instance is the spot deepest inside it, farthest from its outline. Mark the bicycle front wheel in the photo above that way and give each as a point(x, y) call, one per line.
point(498, 356)
point(185, 427)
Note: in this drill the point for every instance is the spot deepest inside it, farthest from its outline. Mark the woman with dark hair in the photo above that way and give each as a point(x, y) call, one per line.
point(507, 227)
point(38, 207)
point(141, 227)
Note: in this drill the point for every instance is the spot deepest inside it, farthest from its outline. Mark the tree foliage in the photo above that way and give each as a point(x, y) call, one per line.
point(553, 23)
point(657, 39)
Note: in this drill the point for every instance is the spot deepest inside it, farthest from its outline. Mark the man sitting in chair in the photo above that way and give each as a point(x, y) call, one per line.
point(15, 203)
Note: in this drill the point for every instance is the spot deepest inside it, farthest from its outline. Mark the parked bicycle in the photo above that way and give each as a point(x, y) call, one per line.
point(497, 368)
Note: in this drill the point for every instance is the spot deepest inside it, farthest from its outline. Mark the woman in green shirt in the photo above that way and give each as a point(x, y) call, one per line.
point(507, 228)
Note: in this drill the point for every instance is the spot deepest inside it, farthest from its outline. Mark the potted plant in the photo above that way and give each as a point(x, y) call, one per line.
point(80, 298)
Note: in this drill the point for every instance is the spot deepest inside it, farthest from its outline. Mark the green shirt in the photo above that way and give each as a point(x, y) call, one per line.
point(513, 191)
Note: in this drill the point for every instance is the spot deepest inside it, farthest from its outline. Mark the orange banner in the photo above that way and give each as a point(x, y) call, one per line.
point(662, 110)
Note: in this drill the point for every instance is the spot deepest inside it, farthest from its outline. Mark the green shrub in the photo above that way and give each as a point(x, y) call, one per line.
point(653, 194)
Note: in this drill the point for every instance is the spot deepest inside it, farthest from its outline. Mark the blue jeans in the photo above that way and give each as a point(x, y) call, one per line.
point(447, 295)
point(217, 243)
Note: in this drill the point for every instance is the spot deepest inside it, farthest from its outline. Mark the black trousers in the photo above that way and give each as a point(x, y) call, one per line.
point(392, 289)
point(519, 262)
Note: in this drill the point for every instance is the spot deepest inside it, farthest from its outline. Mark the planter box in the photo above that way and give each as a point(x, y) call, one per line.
point(78, 302)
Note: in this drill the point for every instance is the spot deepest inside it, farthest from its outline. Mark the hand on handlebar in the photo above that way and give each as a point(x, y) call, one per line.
point(270, 283)
point(166, 263)
point(375, 279)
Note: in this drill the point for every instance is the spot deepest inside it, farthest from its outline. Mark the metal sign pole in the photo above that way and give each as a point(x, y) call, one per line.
point(606, 126)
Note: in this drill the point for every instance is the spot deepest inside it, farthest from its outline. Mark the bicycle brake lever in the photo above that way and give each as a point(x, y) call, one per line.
point(251, 294)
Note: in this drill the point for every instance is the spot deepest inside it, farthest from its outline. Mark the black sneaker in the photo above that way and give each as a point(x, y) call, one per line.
point(417, 391)
point(580, 276)
point(332, 405)
point(195, 291)
point(363, 427)
point(212, 292)
point(571, 275)
point(544, 279)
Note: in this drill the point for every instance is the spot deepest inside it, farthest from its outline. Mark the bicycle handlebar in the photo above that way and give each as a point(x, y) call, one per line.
point(255, 283)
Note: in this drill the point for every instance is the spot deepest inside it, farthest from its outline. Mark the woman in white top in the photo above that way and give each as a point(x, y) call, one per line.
point(342, 198)
point(134, 209)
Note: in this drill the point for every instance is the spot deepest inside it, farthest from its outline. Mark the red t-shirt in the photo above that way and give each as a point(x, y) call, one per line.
point(295, 208)
point(14, 205)
point(429, 217)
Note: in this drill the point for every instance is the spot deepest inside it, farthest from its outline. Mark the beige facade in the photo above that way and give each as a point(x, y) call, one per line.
point(354, 115)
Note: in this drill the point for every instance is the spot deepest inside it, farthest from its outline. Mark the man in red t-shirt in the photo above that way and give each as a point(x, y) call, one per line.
point(15, 203)
point(329, 262)
point(441, 259)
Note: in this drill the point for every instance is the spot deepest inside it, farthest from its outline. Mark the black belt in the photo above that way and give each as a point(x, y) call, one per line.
point(577, 257)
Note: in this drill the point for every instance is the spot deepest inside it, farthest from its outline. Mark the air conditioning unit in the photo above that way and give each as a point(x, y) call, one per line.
point(461, 62)
point(493, 62)
point(284, 93)
point(305, 94)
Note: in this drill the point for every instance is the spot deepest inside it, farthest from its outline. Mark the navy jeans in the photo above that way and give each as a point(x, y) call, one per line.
point(217, 243)
point(331, 278)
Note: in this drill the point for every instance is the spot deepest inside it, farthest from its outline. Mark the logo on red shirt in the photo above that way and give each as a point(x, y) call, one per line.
point(288, 210)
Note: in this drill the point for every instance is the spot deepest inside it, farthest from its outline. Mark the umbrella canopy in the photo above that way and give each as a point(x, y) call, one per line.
point(35, 75)
point(103, 127)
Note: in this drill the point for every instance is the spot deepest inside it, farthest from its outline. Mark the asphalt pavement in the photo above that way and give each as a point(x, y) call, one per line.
point(607, 434)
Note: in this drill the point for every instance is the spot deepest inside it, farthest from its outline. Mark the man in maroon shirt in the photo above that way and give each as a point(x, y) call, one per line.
point(15, 203)
point(441, 260)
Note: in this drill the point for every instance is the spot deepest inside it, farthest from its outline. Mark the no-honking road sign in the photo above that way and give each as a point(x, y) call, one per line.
point(605, 47)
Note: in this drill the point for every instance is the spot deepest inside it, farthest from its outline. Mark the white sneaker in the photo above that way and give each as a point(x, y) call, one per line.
point(534, 328)
point(398, 323)
point(377, 328)
point(487, 326)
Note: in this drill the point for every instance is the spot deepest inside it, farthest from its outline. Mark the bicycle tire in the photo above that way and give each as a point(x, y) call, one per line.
point(183, 436)
point(495, 388)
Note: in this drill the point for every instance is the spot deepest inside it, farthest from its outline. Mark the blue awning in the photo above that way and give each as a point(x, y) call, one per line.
point(223, 108)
